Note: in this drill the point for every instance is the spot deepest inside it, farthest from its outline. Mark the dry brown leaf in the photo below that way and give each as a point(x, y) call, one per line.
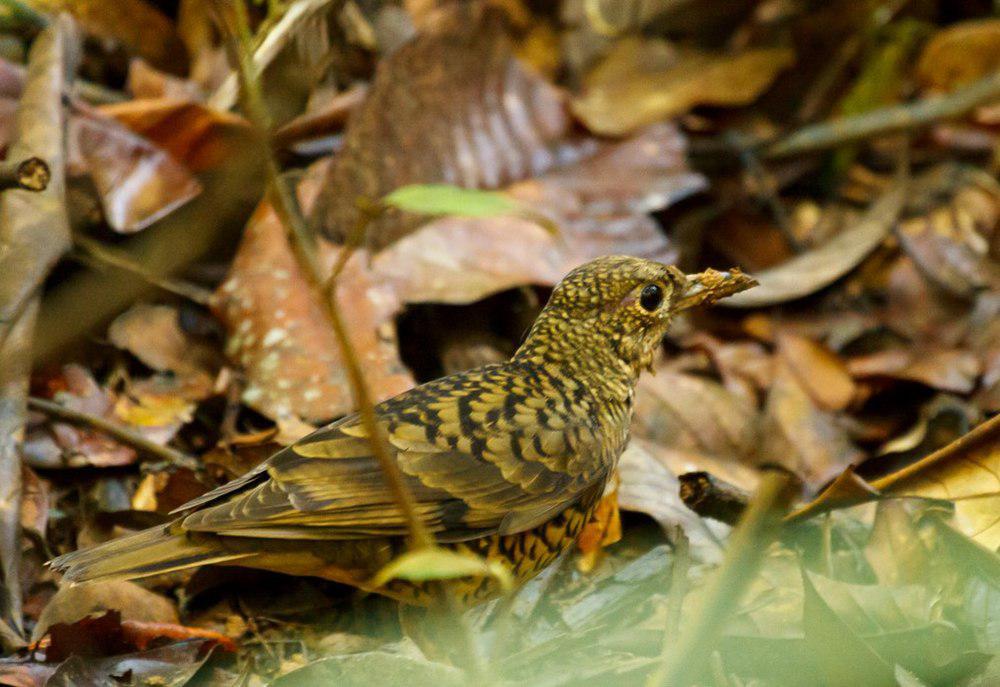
point(800, 436)
point(647, 485)
point(137, 25)
point(820, 372)
point(451, 106)
point(811, 271)
point(73, 602)
point(136, 181)
point(647, 80)
point(279, 332)
point(945, 369)
point(152, 333)
point(145, 82)
point(951, 242)
point(156, 408)
point(689, 413)
point(200, 137)
point(599, 204)
point(965, 473)
point(959, 54)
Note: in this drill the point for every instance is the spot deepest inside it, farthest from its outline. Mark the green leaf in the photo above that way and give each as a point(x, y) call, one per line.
point(441, 564)
point(441, 199)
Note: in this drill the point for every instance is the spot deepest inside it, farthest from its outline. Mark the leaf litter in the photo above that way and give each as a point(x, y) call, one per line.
point(479, 153)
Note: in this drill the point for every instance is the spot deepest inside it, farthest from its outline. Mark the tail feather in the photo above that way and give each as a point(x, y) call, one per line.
point(150, 552)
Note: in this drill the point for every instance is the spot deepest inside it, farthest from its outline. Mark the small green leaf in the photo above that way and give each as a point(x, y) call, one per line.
point(441, 199)
point(441, 564)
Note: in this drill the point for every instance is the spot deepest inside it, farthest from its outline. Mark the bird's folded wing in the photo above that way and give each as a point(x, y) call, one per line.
point(501, 476)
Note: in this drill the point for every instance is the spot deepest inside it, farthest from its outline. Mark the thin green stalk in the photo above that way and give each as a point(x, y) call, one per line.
point(757, 530)
point(303, 242)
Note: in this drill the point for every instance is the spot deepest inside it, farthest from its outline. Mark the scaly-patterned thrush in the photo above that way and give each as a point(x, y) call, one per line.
point(507, 460)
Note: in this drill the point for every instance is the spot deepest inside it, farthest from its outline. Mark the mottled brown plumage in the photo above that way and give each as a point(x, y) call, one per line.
point(507, 460)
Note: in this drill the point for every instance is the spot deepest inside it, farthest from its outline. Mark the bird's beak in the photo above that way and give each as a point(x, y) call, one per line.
point(711, 285)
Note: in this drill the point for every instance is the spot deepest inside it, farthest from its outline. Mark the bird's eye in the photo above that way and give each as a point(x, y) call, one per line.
point(651, 297)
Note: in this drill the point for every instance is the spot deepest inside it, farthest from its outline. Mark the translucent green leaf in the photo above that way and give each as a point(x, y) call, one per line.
point(441, 564)
point(441, 199)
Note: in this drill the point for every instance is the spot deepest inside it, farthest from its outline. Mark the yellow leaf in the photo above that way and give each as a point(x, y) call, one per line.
point(965, 472)
point(441, 564)
point(644, 81)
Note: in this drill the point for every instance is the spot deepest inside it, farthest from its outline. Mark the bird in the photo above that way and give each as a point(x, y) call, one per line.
point(506, 461)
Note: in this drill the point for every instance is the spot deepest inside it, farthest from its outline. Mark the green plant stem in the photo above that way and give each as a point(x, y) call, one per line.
point(233, 18)
point(748, 544)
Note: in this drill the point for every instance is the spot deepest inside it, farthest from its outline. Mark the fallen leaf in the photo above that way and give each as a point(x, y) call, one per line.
point(137, 182)
point(75, 602)
point(811, 271)
point(599, 206)
point(199, 137)
point(146, 82)
point(959, 54)
point(66, 445)
point(155, 408)
point(694, 414)
point(965, 472)
point(950, 243)
point(642, 81)
point(279, 332)
point(35, 506)
point(153, 334)
point(452, 106)
point(648, 484)
point(137, 25)
point(168, 666)
point(820, 372)
point(945, 369)
point(799, 435)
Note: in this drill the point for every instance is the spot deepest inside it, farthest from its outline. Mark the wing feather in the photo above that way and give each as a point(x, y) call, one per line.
point(475, 456)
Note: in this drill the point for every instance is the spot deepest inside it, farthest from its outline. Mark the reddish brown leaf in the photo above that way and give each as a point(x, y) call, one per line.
point(196, 135)
point(453, 106)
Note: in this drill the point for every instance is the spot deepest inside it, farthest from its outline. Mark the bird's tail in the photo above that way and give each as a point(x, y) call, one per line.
point(161, 549)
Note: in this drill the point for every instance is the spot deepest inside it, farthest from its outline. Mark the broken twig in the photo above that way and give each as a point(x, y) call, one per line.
point(117, 432)
point(31, 174)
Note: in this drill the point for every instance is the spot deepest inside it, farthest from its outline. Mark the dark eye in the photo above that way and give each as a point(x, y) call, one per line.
point(651, 297)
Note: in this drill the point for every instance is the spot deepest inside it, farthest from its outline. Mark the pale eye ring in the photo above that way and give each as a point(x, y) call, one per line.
point(651, 297)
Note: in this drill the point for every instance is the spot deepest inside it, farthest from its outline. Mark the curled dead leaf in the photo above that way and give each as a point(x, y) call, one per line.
point(811, 271)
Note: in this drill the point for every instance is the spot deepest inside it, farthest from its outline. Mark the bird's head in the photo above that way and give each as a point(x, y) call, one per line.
point(623, 305)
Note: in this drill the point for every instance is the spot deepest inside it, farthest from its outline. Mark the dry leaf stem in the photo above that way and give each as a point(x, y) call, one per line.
point(748, 545)
point(97, 254)
point(886, 119)
point(116, 432)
